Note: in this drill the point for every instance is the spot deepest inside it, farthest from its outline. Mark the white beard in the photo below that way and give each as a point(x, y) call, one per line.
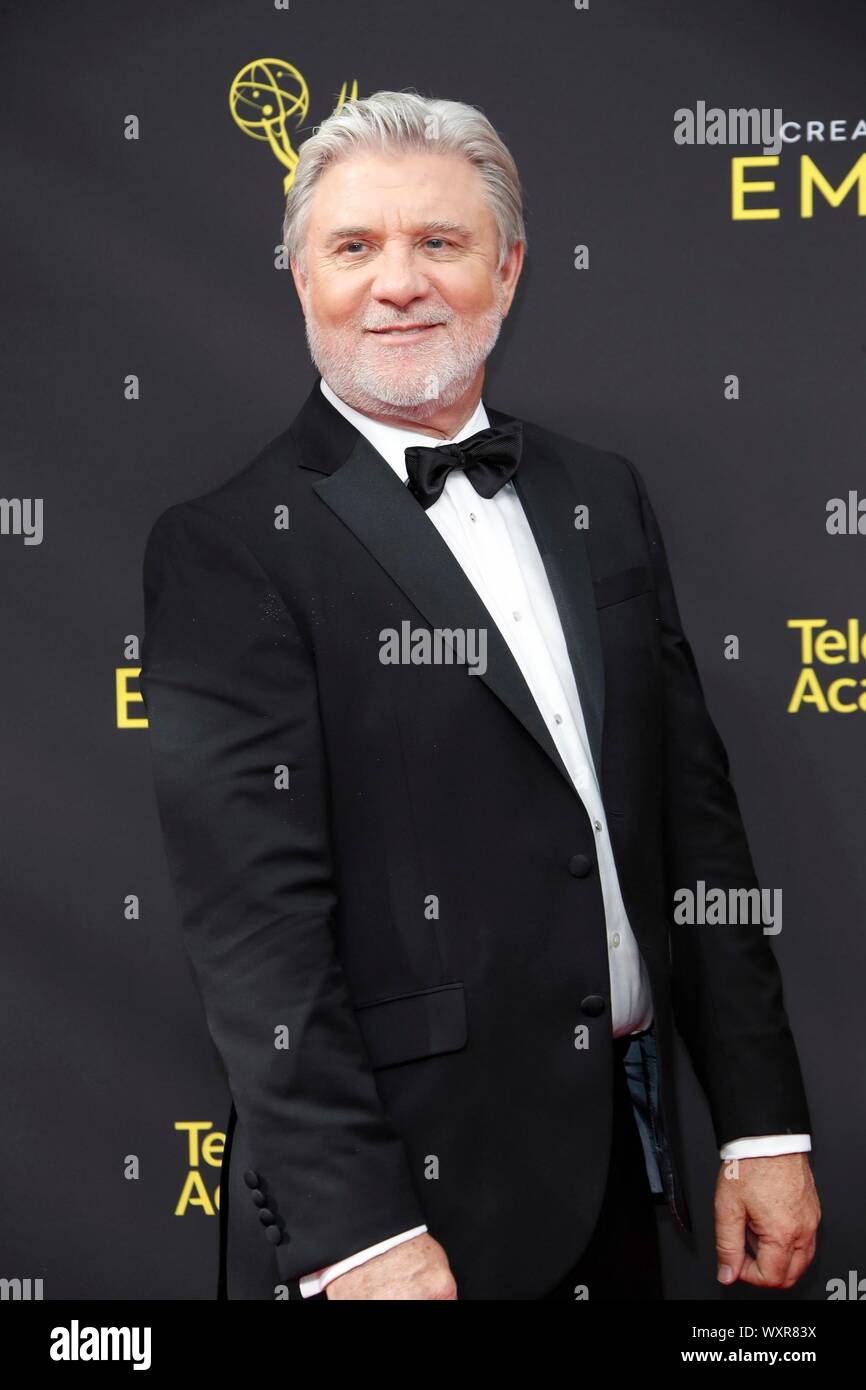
point(425, 376)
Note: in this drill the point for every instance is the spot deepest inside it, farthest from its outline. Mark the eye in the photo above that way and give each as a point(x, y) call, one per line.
point(439, 239)
point(347, 244)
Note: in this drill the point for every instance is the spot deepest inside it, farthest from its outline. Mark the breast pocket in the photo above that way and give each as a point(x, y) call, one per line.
point(628, 617)
point(616, 588)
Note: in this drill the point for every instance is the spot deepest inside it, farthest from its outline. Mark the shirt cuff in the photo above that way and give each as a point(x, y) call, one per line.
point(766, 1146)
point(314, 1283)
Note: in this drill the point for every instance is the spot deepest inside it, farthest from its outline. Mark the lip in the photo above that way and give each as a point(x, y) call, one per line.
point(404, 331)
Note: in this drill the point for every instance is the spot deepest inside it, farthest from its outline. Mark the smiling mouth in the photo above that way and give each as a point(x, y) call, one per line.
point(411, 331)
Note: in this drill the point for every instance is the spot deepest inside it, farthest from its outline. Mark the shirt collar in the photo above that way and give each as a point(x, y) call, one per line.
point(392, 440)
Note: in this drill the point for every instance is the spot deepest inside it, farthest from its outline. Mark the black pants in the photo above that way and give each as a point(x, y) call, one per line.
point(622, 1259)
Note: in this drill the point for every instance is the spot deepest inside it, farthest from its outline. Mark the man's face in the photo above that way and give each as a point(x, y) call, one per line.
point(394, 241)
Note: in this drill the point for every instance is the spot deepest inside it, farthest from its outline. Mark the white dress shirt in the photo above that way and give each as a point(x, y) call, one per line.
point(493, 543)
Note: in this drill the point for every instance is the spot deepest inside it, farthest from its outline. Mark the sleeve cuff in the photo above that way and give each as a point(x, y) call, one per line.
point(314, 1283)
point(766, 1146)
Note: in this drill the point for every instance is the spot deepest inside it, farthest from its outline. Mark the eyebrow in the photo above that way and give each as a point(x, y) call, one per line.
point(344, 233)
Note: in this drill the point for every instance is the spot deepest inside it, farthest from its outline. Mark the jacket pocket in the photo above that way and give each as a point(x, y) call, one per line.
point(614, 588)
point(407, 1027)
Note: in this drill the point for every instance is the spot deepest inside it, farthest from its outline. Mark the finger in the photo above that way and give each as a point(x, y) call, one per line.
point(800, 1261)
point(769, 1266)
point(730, 1239)
point(802, 1257)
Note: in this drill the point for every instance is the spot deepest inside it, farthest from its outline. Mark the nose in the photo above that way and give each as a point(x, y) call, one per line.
point(398, 277)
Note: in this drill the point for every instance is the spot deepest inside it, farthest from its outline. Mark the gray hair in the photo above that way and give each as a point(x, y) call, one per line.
point(396, 121)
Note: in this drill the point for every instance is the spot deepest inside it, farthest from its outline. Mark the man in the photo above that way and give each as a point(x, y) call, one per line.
point(432, 760)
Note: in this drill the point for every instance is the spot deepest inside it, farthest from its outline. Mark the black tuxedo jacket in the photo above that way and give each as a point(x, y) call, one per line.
point(387, 882)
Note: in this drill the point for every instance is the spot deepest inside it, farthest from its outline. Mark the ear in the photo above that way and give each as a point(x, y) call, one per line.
point(510, 274)
point(300, 280)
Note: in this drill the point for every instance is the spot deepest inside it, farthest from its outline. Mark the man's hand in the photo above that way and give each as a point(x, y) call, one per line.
point(776, 1198)
point(416, 1268)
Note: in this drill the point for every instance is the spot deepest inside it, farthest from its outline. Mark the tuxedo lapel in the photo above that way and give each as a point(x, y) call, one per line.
point(363, 490)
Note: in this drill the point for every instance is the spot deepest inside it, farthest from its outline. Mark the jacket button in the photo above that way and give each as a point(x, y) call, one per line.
point(579, 865)
point(274, 1235)
point(250, 1178)
point(258, 1197)
point(593, 1005)
point(267, 1217)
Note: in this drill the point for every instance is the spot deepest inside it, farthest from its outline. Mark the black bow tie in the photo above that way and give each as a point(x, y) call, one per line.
point(489, 459)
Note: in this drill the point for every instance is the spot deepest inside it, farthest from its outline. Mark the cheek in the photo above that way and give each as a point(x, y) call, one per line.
point(466, 291)
point(336, 303)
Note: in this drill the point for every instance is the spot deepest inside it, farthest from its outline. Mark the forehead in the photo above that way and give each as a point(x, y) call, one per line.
point(373, 189)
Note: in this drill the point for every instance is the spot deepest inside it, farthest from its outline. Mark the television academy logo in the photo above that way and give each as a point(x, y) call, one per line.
point(822, 646)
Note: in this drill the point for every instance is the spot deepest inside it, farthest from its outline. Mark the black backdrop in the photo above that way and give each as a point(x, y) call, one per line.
point(155, 257)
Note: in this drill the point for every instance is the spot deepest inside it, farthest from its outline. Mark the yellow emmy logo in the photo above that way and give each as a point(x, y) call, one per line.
point(265, 96)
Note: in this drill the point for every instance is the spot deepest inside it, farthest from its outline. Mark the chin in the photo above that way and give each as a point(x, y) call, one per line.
point(402, 388)
point(404, 397)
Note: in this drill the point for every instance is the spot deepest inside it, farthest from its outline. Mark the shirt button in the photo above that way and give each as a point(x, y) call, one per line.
point(516, 616)
point(597, 824)
point(472, 516)
point(558, 718)
point(615, 939)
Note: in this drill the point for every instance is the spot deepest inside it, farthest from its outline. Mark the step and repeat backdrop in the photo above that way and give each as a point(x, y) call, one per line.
point(693, 297)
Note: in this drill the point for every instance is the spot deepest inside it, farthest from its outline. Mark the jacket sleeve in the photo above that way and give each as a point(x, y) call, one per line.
point(231, 698)
point(726, 984)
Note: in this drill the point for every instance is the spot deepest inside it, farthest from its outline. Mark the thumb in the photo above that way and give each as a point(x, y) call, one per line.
point(730, 1240)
